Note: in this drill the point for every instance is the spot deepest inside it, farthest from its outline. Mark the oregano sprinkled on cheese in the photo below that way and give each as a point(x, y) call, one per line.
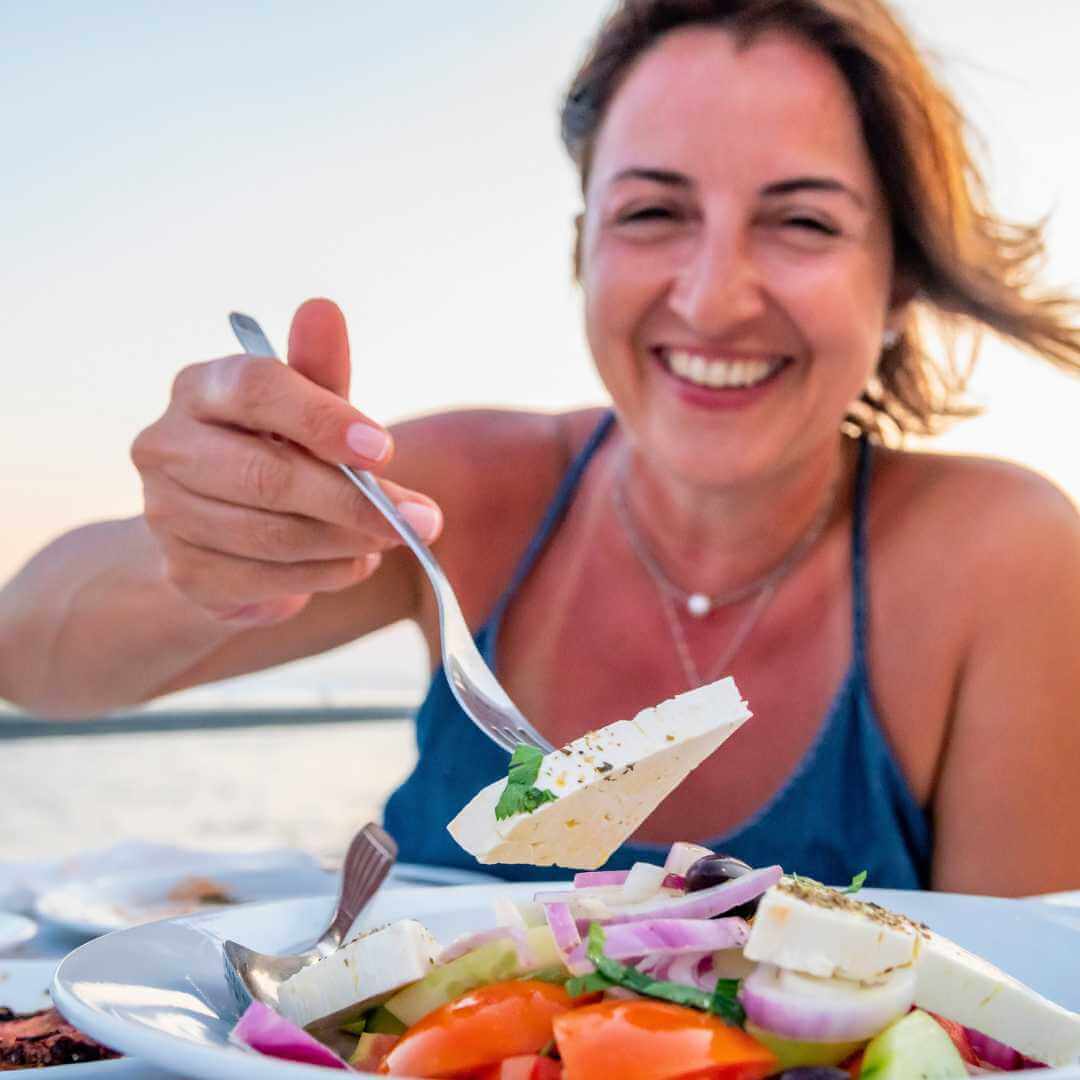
point(520, 796)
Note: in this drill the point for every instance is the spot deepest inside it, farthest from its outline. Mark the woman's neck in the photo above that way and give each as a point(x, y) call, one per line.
point(714, 539)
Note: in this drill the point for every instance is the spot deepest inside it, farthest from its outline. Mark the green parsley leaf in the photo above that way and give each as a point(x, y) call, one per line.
point(857, 882)
point(721, 1002)
point(525, 765)
point(587, 984)
point(519, 796)
point(725, 1002)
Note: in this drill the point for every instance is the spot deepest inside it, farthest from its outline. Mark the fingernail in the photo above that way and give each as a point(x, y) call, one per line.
point(423, 518)
point(368, 442)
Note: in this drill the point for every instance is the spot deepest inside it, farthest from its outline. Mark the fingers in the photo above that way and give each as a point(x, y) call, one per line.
point(246, 532)
point(319, 345)
point(249, 590)
point(262, 394)
point(241, 469)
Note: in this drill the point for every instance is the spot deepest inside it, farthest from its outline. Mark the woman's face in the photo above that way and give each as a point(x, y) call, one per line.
point(736, 253)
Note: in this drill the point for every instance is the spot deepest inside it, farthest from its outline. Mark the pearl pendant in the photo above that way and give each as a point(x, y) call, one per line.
point(698, 605)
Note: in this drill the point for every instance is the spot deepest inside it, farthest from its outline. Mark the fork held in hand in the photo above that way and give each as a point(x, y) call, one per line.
point(474, 685)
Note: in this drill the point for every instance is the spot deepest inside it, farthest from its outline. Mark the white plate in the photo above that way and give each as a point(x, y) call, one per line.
point(15, 929)
point(100, 905)
point(24, 987)
point(160, 991)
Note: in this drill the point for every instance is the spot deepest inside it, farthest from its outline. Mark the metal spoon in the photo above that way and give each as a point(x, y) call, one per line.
point(477, 690)
point(252, 974)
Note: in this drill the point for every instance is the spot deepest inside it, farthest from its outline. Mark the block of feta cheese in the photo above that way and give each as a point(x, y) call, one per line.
point(606, 783)
point(955, 983)
point(361, 972)
point(803, 926)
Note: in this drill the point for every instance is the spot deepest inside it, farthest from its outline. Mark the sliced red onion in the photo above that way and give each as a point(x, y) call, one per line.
point(467, 942)
point(799, 1006)
point(682, 856)
point(991, 1052)
point(588, 879)
point(704, 904)
point(685, 969)
point(264, 1030)
point(674, 881)
point(563, 928)
point(667, 938)
point(608, 894)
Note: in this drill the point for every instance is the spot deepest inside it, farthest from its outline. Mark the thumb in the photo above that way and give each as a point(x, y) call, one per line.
point(319, 345)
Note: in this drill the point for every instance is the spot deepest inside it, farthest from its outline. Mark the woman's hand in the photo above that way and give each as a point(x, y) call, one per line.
point(240, 486)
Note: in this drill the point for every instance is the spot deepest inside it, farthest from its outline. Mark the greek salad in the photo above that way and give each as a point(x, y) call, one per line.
point(700, 967)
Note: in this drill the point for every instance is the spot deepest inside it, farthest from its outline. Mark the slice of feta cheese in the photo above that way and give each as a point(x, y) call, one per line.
point(361, 972)
point(973, 992)
point(606, 783)
point(803, 926)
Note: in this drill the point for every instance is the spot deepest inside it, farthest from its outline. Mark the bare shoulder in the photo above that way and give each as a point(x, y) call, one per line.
point(493, 473)
point(982, 520)
point(471, 458)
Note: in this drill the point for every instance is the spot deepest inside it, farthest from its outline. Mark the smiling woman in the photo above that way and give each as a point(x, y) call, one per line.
point(779, 208)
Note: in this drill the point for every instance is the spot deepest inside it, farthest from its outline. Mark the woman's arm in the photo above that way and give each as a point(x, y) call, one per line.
point(92, 624)
point(240, 532)
point(1007, 801)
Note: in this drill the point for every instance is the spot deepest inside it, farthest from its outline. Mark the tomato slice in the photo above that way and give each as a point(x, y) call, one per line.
point(652, 1040)
point(959, 1037)
point(523, 1067)
point(482, 1027)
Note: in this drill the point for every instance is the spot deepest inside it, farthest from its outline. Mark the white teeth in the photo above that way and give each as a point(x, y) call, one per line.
point(720, 373)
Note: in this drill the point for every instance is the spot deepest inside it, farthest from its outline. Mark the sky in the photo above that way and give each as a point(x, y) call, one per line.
point(161, 167)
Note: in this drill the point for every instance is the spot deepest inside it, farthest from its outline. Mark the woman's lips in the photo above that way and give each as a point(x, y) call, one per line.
point(734, 381)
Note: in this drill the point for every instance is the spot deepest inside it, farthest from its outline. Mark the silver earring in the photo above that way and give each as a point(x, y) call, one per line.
point(891, 338)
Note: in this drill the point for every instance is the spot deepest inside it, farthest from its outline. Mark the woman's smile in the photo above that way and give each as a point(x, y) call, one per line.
point(713, 380)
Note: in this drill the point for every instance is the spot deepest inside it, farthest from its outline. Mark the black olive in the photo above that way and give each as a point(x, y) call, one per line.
point(814, 1072)
point(712, 870)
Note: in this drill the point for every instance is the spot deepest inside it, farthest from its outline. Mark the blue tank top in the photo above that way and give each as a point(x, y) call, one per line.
point(846, 807)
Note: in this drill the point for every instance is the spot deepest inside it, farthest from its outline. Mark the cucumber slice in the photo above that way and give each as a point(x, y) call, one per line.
point(915, 1046)
point(380, 1021)
point(791, 1053)
point(496, 961)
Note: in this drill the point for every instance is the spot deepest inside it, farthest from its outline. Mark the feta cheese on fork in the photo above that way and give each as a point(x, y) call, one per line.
point(363, 971)
point(605, 784)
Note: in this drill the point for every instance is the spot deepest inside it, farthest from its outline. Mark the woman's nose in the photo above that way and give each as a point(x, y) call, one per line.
point(718, 287)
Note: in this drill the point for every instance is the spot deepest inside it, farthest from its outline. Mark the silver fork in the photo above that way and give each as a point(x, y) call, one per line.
point(367, 862)
point(474, 685)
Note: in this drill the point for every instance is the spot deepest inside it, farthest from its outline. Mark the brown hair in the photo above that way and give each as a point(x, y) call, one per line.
point(971, 269)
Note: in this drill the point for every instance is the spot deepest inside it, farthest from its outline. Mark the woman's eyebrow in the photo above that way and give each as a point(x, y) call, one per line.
point(657, 176)
point(814, 183)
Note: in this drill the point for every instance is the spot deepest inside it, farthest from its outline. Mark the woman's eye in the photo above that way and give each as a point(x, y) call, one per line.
point(646, 213)
point(813, 225)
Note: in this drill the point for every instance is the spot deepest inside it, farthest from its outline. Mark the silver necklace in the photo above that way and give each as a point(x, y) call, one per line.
point(700, 604)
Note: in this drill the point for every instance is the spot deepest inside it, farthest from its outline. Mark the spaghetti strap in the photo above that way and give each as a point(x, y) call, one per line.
point(554, 514)
point(859, 558)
